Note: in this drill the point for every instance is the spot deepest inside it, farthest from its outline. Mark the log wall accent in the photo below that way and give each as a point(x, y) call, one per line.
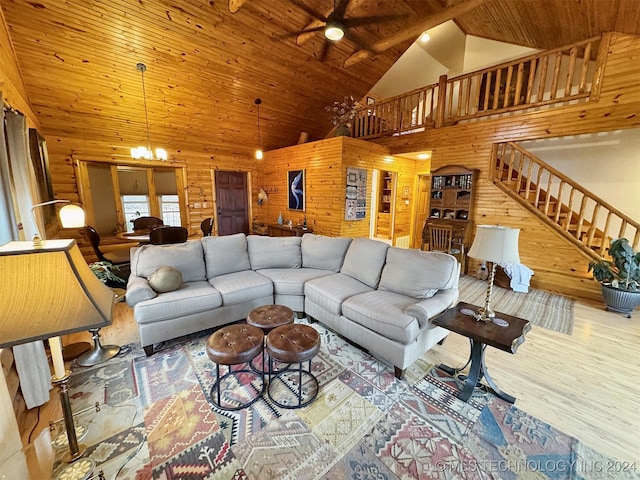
point(325, 163)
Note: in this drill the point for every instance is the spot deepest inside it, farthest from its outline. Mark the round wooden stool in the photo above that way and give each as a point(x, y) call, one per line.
point(235, 345)
point(293, 344)
point(267, 318)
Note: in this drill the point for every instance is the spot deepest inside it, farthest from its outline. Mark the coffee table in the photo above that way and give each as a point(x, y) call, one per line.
point(482, 334)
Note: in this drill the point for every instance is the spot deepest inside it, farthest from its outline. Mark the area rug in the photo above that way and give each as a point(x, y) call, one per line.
point(544, 309)
point(364, 424)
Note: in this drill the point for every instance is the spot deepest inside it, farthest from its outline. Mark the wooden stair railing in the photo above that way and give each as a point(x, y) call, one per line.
point(571, 209)
point(562, 75)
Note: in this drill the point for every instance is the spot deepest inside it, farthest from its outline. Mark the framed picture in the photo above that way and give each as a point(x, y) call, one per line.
point(370, 100)
point(295, 181)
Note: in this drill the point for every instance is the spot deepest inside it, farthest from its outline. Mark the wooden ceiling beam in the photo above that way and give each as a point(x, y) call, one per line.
point(235, 5)
point(413, 32)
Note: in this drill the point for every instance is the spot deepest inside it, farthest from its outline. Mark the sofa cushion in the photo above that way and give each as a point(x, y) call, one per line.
point(289, 281)
point(324, 253)
point(186, 257)
point(416, 273)
point(227, 254)
point(364, 260)
point(191, 297)
point(165, 279)
point(330, 291)
point(274, 252)
point(383, 312)
point(240, 287)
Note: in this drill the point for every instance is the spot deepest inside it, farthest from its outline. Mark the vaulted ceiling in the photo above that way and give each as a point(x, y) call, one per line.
point(207, 65)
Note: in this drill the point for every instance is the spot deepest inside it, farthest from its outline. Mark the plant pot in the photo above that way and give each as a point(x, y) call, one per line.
point(342, 131)
point(621, 301)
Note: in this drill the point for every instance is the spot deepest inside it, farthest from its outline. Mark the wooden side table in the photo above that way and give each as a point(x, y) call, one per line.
point(481, 334)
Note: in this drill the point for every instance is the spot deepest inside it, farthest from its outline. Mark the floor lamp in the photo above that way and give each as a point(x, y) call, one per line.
point(48, 291)
point(496, 244)
point(71, 216)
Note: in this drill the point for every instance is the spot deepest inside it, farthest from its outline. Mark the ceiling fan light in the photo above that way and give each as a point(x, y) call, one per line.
point(334, 31)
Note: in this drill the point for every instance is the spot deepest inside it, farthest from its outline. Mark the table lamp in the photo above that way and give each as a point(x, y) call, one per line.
point(496, 244)
point(48, 291)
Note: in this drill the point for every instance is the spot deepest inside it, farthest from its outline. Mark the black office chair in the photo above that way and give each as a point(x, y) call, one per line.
point(120, 256)
point(166, 234)
point(207, 226)
point(146, 223)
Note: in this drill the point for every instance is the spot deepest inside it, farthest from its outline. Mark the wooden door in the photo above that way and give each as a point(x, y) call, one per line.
point(422, 209)
point(232, 200)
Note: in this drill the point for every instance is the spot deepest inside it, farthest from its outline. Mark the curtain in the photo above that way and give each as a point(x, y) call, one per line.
point(23, 174)
point(10, 437)
point(31, 359)
point(8, 222)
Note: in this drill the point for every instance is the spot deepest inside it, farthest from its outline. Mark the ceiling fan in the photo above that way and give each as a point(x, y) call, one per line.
point(335, 25)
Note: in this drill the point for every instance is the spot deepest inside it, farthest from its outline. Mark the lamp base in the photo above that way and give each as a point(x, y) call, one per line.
point(98, 353)
point(485, 314)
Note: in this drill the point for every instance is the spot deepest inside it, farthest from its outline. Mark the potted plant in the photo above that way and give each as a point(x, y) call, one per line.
point(342, 114)
point(105, 273)
point(620, 277)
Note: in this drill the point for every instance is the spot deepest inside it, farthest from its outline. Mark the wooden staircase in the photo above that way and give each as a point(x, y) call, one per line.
point(574, 212)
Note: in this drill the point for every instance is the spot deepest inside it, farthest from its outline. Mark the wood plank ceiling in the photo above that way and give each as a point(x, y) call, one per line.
point(206, 65)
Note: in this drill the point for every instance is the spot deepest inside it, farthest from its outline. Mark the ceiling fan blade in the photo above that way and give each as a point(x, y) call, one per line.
point(354, 39)
point(340, 9)
point(358, 21)
point(325, 51)
point(310, 11)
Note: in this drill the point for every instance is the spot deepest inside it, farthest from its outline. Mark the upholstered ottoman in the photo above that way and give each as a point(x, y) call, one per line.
point(293, 344)
point(236, 345)
point(267, 318)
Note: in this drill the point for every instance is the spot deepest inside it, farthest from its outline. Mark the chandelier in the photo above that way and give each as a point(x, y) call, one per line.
point(145, 153)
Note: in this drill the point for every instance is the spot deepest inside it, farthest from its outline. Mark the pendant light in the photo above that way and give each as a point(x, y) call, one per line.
point(259, 153)
point(146, 153)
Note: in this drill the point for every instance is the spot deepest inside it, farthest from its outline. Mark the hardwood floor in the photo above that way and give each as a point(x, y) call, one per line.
point(586, 384)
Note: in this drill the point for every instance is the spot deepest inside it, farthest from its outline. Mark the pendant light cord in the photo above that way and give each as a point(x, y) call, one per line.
point(257, 101)
point(142, 68)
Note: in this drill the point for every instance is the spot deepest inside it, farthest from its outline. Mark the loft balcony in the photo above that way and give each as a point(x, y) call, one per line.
point(562, 76)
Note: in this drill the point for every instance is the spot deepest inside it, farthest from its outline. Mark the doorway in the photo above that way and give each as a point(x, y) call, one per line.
point(422, 209)
point(233, 202)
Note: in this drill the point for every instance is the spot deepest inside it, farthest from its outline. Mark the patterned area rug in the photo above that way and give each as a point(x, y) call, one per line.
point(544, 309)
point(364, 424)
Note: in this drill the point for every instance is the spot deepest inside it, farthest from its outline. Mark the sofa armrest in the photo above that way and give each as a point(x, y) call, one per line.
point(431, 307)
point(138, 290)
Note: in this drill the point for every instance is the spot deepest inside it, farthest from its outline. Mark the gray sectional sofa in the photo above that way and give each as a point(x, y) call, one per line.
point(379, 297)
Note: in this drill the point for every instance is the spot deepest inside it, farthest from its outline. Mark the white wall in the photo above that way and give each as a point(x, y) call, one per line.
point(449, 52)
point(414, 69)
point(481, 53)
point(607, 164)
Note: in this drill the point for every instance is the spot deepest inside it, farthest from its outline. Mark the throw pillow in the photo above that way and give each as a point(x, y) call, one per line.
point(165, 279)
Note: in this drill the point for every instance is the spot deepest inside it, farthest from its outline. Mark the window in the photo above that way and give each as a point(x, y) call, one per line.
point(119, 193)
point(170, 209)
point(134, 206)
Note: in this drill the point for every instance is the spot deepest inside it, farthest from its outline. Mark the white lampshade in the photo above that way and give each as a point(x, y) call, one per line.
point(495, 243)
point(49, 291)
point(71, 216)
